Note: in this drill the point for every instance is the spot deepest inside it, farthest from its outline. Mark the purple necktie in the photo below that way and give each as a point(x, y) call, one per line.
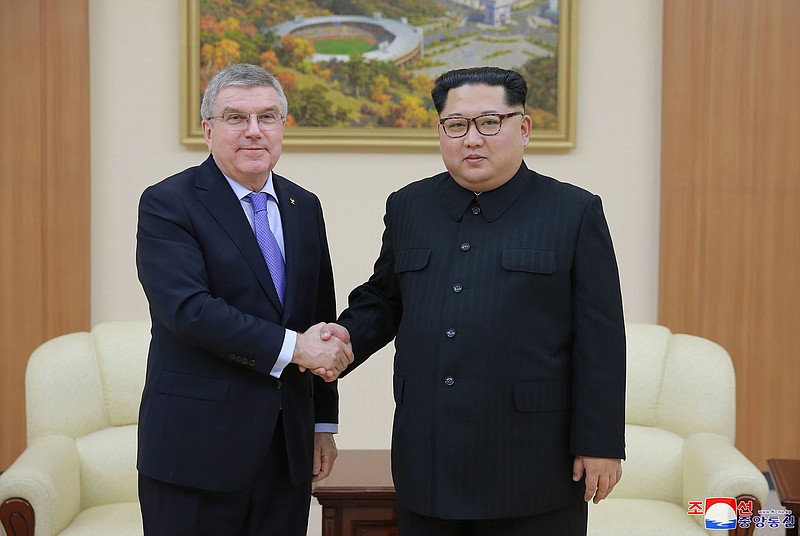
point(267, 243)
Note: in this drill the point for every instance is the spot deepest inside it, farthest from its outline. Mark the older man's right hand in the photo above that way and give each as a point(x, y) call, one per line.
point(325, 358)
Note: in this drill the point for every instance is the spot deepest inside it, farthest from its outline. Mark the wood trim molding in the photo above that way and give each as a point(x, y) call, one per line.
point(730, 201)
point(44, 209)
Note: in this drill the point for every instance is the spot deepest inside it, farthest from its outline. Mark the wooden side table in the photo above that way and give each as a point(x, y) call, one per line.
point(786, 475)
point(358, 499)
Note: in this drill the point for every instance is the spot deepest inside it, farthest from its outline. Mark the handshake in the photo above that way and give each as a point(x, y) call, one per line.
point(324, 349)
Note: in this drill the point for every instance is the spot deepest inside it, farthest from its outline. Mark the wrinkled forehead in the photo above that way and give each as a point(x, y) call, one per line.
point(247, 99)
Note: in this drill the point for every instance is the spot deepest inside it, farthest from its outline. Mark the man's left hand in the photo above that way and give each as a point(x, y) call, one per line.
point(324, 455)
point(602, 474)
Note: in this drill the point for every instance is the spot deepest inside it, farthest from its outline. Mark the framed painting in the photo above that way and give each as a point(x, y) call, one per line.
point(358, 73)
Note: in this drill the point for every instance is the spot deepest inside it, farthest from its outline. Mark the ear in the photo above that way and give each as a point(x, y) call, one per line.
point(207, 133)
point(526, 128)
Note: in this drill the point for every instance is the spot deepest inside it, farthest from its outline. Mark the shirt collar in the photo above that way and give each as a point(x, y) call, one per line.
point(242, 192)
point(493, 203)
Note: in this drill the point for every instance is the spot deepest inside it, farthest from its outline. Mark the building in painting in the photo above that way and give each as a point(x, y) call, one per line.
point(498, 12)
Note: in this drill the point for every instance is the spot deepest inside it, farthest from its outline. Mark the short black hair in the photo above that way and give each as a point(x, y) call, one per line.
point(515, 86)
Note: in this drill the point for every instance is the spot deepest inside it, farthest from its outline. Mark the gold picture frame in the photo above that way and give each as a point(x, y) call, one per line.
point(561, 136)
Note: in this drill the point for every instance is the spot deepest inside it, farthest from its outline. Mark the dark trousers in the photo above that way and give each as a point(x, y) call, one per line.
point(568, 521)
point(271, 506)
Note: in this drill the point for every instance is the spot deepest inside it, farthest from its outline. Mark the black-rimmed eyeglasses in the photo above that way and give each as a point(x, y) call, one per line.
point(487, 124)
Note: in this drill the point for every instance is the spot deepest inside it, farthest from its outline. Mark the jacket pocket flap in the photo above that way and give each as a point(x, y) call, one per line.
point(193, 386)
point(541, 396)
point(410, 260)
point(535, 261)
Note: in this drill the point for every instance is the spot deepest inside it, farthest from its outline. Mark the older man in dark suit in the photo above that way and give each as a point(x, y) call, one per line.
point(234, 261)
point(502, 289)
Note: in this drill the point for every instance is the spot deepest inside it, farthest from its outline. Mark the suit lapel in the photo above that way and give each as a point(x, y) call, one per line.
point(290, 221)
point(214, 192)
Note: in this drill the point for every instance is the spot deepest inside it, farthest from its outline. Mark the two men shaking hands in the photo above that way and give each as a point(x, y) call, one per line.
point(324, 349)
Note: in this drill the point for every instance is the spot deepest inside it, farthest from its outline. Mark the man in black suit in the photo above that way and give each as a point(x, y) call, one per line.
point(233, 426)
point(502, 289)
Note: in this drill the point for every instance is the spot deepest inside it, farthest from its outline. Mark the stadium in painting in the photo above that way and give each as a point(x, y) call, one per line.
point(337, 36)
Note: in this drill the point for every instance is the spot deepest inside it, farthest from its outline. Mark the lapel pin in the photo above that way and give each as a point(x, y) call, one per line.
point(291, 200)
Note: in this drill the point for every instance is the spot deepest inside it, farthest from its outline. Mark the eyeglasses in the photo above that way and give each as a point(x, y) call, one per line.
point(487, 124)
point(240, 120)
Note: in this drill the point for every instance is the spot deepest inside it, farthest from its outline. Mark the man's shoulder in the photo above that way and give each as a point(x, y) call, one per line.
point(176, 185)
point(424, 186)
point(183, 179)
point(559, 187)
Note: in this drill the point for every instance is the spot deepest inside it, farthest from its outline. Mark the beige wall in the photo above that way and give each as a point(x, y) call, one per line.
point(134, 125)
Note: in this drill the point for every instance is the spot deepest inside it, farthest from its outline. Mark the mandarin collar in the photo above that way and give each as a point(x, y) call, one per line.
point(493, 203)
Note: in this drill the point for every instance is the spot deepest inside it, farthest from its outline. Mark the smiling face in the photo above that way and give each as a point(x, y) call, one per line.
point(246, 156)
point(477, 162)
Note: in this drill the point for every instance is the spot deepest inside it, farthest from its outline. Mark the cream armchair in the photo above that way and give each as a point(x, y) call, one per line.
point(680, 425)
point(78, 474)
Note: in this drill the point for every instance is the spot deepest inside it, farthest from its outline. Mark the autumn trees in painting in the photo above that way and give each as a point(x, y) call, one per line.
point(328, 74)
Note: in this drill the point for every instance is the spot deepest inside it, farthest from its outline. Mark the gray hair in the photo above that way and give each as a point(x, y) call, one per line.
point(240, 75)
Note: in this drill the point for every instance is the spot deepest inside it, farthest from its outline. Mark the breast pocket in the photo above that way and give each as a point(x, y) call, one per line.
point(412, 260)
point(534, 261)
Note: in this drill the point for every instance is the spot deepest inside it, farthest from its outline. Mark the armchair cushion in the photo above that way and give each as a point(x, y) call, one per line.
point(82, 401)
point(122, 519)
point(652, 469)
point(108, 466)
point(641, 517)
point(62, 389)
point(121, 351)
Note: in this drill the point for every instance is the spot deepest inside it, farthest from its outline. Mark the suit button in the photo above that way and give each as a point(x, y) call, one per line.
point(465, 246)
point(231, 357)
point(252, 363)
point(277, 384)
point(450, 333)
point(458, 287)
point(238, 359)
point(449, 381)
point(476, 210)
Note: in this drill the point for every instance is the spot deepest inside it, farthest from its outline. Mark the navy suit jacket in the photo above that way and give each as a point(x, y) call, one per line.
point(510, 343)
point(209, 405)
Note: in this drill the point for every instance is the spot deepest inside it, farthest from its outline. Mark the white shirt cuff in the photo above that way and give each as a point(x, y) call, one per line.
point(285, 355)
point(326, 427)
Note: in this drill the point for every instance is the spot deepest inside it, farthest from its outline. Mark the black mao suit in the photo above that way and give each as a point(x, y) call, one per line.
point(510, 344)
point(210, 406)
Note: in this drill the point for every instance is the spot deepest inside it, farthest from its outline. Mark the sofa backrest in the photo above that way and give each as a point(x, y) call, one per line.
point(82, 382)
point(681, 383)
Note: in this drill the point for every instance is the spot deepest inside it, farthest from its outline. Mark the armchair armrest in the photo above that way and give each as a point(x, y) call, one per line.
point(713, 467)
point(47, 476)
